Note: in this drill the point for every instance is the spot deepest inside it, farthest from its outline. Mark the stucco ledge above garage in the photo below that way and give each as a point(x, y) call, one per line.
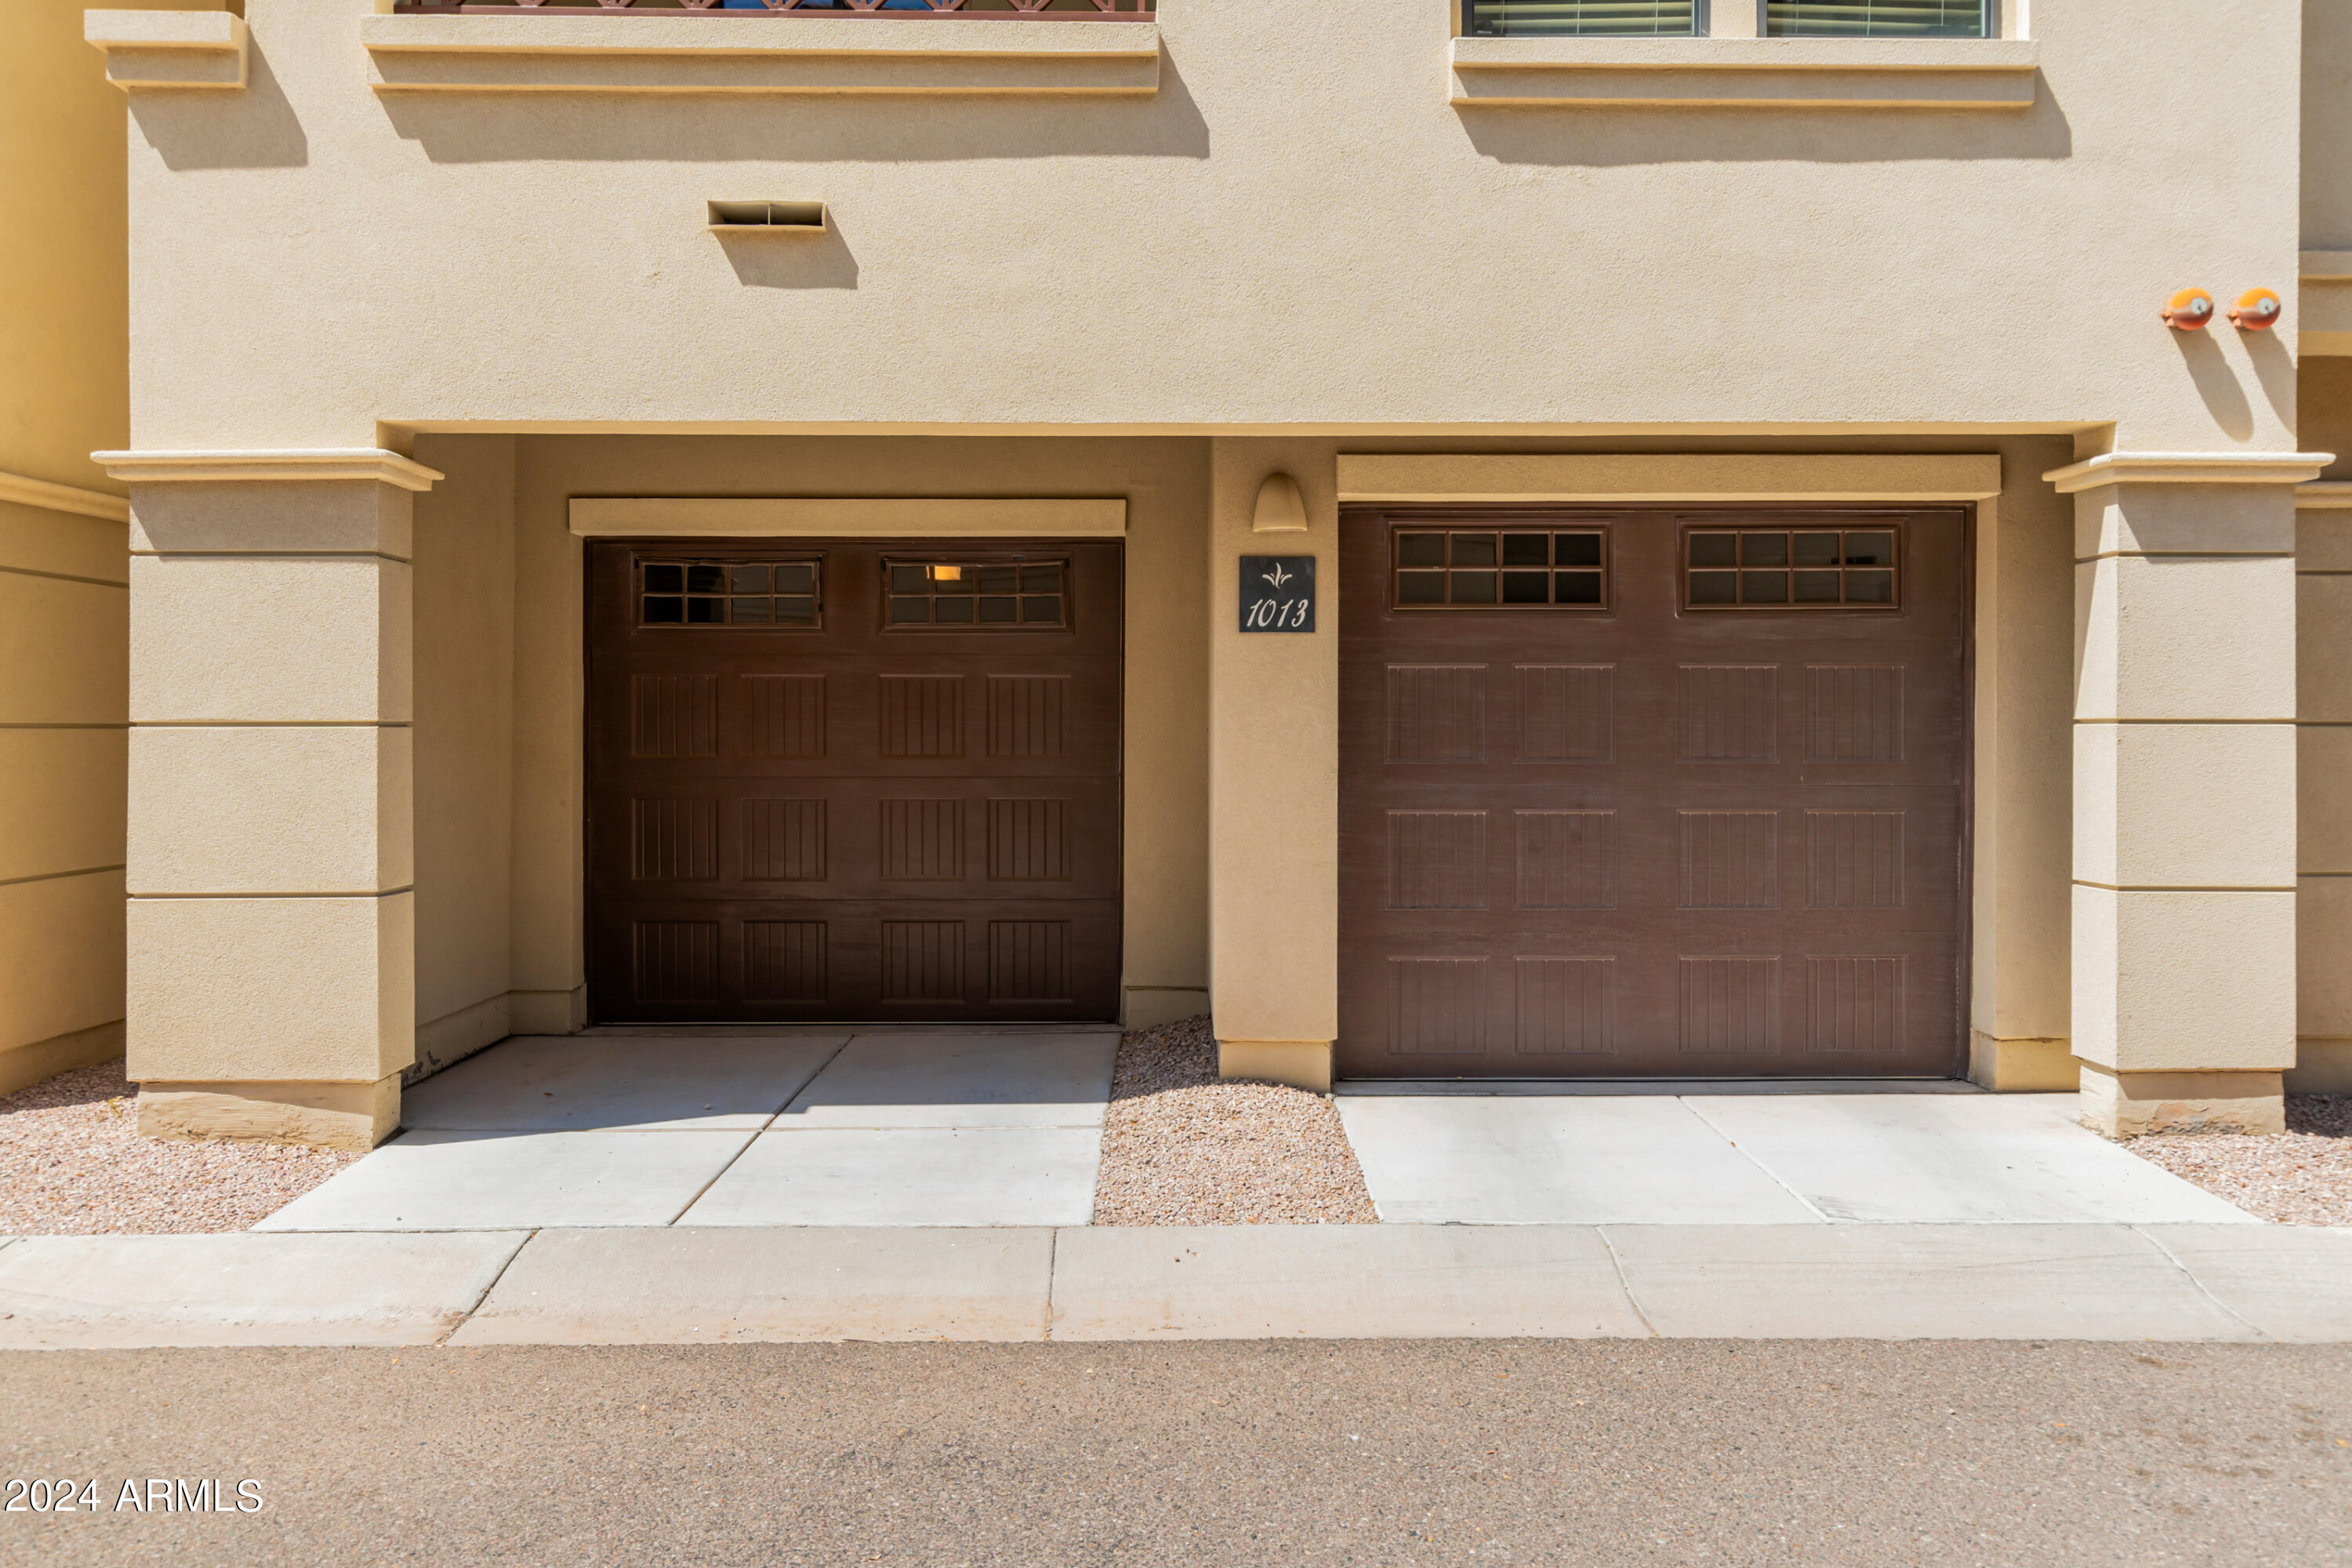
point(760, 54)
point(1745, 73)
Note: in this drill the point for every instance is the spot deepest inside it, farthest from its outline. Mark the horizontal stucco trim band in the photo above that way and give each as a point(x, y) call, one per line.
point(2326, 495)
point(2296, 469)
point(63, 577)
point(2178, 888)
point(880, 517)
point(41, 493)
point(1781, 73)
point(1627, 478)
point(231, 898)
point(310, 466)
point(2185, 556)
point(58, 876)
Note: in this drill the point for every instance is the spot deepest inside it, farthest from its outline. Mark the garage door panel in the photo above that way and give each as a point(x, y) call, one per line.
point(1652, 840)
point(854, 819)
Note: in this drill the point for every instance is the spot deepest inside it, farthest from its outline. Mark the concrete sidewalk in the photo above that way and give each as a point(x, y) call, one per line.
point(699, 1285)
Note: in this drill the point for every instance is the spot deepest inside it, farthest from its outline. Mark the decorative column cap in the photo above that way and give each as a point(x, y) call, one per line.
point(2190, 469)
point(314, 464)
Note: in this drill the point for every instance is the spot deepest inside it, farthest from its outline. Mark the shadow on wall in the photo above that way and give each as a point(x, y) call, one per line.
point(256, 129)
point(1619, 137)
point(2217, 384)
point(790, 261)
point(787, 129)
point(2275, 368)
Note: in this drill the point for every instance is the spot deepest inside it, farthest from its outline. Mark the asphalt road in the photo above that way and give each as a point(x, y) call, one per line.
point(1389, 1452)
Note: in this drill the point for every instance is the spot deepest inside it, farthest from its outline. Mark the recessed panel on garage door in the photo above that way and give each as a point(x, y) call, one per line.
point(1650, 794)
point(850, 780)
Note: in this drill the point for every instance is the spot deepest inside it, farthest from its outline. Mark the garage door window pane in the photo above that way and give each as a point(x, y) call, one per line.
point(1870, 588)
point(1817, 550)
point(1577, 550)
point(1817, 587)
point(1421, 587)
point(1577, 587)
point(1714, 587)
point(1527, 587)
point(1714, 550)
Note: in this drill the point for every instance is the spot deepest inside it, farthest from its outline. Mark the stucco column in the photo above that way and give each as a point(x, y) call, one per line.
point(1274, 780)
point(2184, 961)
point(2323, 905)
point(271, 928)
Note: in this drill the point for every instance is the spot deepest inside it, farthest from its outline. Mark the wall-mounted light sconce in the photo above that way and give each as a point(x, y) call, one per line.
point(767, 217)
point(1280, 508)
point(2189, 310)
point(2257, 311)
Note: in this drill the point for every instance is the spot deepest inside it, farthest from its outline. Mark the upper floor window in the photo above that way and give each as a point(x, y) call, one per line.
point(1586, 18)
point(1774, 18)
point(1878, 18)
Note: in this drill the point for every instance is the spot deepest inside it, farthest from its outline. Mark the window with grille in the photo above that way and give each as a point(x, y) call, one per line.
point(1500, 568)
point(978, 595)
point(1588, 19)
point(1880, 19)
point(1792, 568)
point(734, 593)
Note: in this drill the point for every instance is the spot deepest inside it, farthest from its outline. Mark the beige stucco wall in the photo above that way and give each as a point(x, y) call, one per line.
point(64, 390)
point(64, 332)
point(1274, 745)
point(2021, 833)
point(1210, 256)
point(464, 746)
point(1165, 485)
point(2326, 128)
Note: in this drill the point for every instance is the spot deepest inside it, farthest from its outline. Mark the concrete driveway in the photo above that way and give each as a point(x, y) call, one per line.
point(1732, 1153)
point(793, 1127)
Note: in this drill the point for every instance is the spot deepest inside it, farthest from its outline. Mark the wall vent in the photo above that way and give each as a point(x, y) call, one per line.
point(768, 217)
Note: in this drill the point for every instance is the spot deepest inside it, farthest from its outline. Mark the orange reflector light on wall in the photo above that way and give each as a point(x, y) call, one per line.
point(2257, 311)
point(2189, 310)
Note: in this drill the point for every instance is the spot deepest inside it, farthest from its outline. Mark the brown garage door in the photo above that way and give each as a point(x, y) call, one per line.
point(851, 780)
point(1652, 793)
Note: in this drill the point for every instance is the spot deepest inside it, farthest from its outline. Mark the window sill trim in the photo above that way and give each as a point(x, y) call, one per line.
point(1745, 73)
point(653, 54)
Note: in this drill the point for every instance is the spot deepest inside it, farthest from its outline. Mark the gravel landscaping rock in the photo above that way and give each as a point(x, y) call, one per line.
point(2301, 1176)
point(72, 1163)
point(1182, 1147)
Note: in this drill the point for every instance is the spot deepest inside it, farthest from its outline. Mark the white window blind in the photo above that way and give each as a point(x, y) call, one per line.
point(1599, 19)
point(1878, 18)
